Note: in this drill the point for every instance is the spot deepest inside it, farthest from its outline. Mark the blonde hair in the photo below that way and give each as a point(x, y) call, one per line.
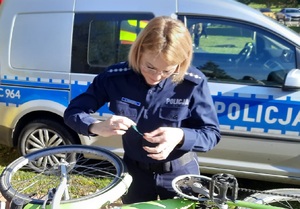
point(167, 37)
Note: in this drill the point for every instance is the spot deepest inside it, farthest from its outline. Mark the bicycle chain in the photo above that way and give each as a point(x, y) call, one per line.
point(268, 193)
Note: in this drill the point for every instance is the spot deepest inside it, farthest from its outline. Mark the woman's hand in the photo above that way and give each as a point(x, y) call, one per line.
point(115, 125)
point(167, 139)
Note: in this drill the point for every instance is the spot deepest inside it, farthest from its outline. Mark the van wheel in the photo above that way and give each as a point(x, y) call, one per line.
point(40, 134)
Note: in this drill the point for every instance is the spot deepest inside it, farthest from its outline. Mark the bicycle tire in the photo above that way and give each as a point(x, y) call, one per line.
point(103, 171)
point(292, 201)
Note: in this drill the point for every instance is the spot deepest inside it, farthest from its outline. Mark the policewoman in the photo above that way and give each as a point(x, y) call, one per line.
point(168, 101)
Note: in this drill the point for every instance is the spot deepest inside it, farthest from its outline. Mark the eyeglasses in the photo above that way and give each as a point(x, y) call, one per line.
point(164, 73)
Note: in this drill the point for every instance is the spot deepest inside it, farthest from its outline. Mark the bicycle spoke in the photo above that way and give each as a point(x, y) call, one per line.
point(91, 173)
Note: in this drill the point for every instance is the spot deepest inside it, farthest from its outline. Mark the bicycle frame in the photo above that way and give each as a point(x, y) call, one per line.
point(170, 204)
point(165, 204)
point(220, 191)
point(244, 204)
point(190, 204)
point(62, 190)
point(180, 203)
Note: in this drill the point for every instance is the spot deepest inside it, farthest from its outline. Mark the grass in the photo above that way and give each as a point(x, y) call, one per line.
point(216, 44)
point(7, 155)
point(31, 182)
point(34, 183)
point(297, 29)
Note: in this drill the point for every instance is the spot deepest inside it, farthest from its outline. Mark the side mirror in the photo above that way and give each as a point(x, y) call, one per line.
point(292, 80)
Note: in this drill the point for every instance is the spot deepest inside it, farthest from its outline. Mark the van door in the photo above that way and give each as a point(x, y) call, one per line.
point(246, 67)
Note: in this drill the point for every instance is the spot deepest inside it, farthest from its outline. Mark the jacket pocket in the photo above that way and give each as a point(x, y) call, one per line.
point(124, 109)
point(174, 114)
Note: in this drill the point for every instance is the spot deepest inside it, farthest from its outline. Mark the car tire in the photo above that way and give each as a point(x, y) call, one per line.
point(43, 133)
point(281, 21)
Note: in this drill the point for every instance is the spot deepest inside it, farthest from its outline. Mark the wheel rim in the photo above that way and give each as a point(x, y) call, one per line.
point(187, 185)
point(80, 167)
point(42, 138)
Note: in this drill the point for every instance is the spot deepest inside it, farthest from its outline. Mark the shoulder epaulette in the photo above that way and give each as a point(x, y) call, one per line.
point(119, 69)
point(194, 75)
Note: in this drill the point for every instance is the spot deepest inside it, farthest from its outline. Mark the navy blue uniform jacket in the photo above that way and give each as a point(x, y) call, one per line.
point(187, 105)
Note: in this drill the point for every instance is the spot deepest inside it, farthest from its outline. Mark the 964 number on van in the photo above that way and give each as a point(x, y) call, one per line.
point(10, 93)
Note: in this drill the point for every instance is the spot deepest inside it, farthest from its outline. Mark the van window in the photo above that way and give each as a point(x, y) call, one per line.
point(36, 39)
point(231, 52)
point(100, 40)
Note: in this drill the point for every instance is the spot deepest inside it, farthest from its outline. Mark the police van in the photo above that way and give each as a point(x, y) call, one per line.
point(50, 51)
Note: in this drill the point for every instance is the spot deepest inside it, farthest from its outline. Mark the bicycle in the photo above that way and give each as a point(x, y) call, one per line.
point(58, 171)
point(221, 191)
point(68, 176)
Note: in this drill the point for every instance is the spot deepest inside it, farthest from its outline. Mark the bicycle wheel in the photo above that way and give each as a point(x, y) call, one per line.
point(193, 187)
point(291, 200)
point(95, 176)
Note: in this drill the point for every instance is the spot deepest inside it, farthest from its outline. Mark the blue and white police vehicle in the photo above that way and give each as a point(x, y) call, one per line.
point(50, 51)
